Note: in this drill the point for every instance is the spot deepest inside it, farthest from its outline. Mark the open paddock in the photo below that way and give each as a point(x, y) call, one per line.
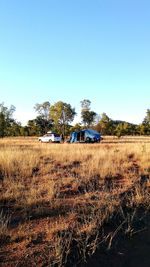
point(56, 199)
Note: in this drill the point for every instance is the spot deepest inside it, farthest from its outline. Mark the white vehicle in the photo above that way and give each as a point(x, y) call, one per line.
point(50, 138)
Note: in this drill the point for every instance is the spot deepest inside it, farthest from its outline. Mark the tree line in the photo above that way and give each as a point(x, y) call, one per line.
point(59, 116)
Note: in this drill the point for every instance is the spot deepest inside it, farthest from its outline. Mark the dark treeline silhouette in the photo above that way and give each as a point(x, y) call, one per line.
point(59, 117)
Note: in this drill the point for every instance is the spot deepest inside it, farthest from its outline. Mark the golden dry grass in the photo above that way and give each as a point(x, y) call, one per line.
point(57, 197)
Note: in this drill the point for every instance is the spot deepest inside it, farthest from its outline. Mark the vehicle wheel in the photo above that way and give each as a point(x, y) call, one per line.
point(50, 141)
point(88, 140)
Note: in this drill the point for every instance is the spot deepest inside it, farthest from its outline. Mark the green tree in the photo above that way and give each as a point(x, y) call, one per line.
point(140, 129)
point(6, 119)
point(76, 127)
point(2, 125)
point(34, 128)
point(147, 117)
point(88, 116)
point(125, 128)
point(14, 129)
point(121, 129)
point(62, 114)
point(43, 110)
point(24, 131)
point(146, 123)
point(105, 125)
point(43, 121)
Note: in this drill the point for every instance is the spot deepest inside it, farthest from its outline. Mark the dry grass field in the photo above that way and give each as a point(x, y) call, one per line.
point(57, 201)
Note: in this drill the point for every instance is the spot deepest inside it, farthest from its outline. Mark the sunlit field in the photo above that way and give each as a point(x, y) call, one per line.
point(56, 199)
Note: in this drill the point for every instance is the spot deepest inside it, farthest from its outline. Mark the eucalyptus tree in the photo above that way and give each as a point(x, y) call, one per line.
point(88, 117)
point(62, 114)
point(43, 121)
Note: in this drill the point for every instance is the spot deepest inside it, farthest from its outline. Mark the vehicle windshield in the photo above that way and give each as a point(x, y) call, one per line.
point(56, 135)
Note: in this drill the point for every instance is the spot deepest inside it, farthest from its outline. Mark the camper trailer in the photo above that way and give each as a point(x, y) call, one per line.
point(85, 136)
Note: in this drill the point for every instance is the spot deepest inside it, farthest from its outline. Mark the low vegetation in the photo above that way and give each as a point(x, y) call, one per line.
point(59, 202)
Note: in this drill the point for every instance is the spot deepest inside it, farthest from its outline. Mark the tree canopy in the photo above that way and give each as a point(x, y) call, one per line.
point(62, 114)
point(59, 117)
point(6, 119)
point(88, 116)
point(43, 121)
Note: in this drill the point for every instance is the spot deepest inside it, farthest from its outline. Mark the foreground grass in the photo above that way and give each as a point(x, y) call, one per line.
point(56, 199)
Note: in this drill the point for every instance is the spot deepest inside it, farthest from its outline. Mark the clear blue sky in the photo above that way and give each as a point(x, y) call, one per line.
point(69, 50)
